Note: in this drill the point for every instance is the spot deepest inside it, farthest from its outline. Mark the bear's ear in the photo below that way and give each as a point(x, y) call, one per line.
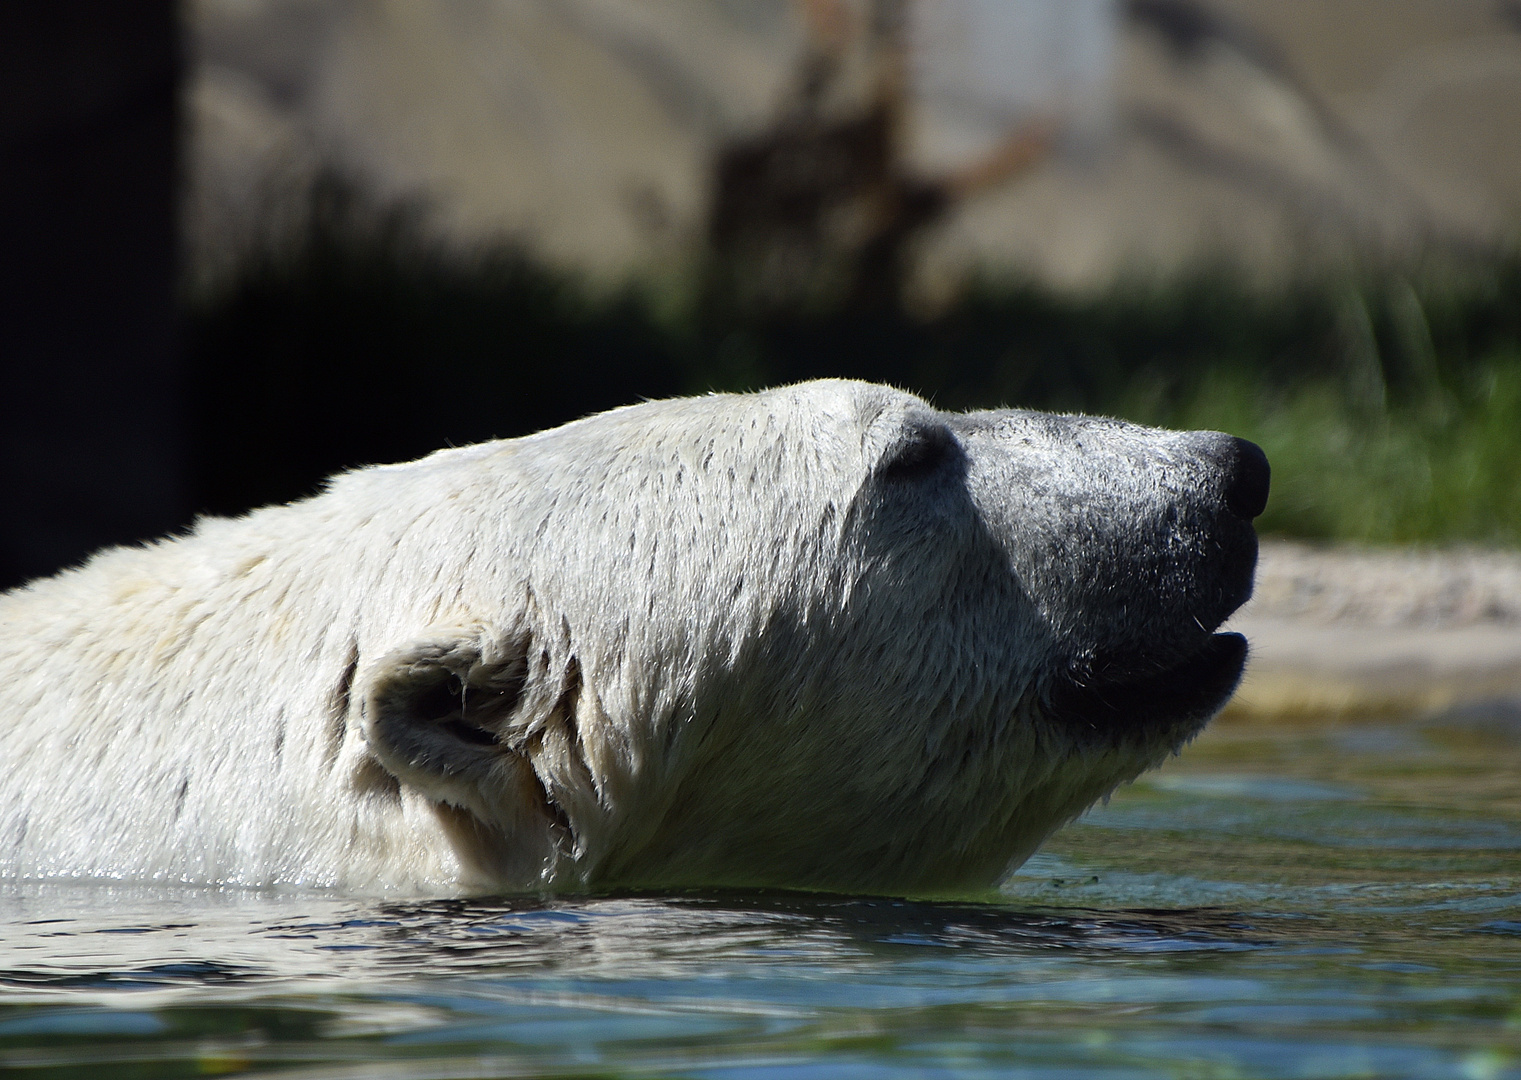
point(437, 715)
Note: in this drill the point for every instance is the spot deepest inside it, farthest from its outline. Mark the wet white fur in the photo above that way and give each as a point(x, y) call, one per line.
point(732, 661)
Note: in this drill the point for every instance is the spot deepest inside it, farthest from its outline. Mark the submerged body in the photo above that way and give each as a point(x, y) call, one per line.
point(822, 636)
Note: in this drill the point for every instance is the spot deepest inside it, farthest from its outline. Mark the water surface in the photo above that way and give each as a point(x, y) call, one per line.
point(1290, 900)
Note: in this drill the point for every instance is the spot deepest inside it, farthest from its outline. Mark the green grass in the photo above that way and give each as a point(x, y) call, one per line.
point(1440, 470)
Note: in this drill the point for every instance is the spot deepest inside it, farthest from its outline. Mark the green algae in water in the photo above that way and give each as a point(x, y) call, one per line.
point(1304, 900)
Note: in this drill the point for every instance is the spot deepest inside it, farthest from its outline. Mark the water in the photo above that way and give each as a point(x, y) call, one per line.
point(1296, 900)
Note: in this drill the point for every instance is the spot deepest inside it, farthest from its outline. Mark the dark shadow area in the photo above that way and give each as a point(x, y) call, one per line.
point(91, 446)
point(366, 343)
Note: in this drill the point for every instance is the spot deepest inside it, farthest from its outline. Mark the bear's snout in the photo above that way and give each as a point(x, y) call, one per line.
point(1250, 477)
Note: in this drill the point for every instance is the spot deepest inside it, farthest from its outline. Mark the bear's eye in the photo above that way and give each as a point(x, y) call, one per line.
point(919, 455)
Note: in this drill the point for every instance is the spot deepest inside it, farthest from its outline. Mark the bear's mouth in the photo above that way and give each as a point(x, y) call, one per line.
point(1178, 699)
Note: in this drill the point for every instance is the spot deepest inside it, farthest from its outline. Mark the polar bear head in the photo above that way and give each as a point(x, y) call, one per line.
point(822, 636)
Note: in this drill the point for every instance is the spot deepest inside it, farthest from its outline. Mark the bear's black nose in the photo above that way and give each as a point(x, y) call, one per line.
point(1247, 492)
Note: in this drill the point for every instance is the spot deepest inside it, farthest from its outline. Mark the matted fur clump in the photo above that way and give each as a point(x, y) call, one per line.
point(823, 636)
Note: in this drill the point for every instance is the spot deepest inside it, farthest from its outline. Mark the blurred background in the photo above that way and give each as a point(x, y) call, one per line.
point(256, 241)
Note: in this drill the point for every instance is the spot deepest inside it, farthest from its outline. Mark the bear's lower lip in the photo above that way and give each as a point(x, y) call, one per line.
point(1183, 696)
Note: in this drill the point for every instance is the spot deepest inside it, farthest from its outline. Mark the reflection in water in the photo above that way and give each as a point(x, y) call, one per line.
point(1282, 901)
point(112, 938)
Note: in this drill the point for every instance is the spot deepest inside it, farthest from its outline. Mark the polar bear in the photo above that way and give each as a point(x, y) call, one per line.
point(823, 636)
